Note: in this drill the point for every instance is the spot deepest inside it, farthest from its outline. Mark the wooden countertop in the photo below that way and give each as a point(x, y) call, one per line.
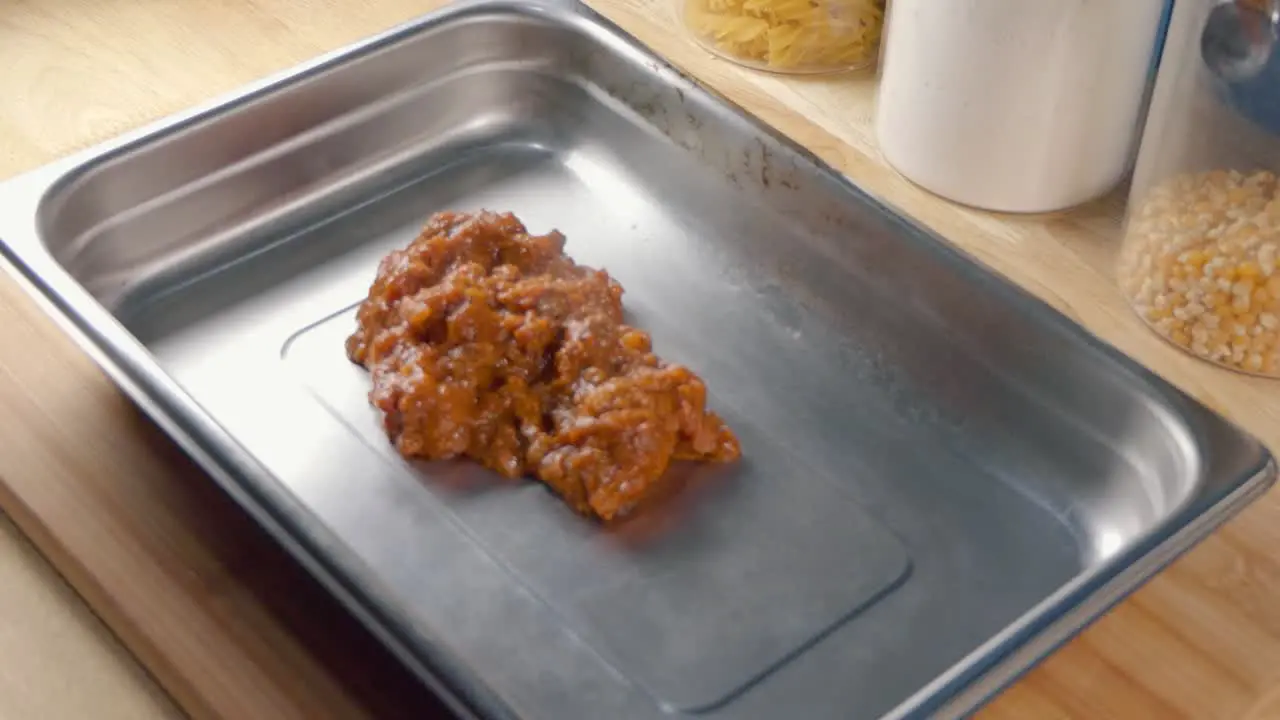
point(231, 629)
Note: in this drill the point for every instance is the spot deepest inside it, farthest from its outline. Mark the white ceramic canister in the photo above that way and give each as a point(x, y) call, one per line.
point(1015, 105)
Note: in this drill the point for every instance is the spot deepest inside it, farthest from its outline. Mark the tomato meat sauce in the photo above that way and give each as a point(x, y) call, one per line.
point(489, 343)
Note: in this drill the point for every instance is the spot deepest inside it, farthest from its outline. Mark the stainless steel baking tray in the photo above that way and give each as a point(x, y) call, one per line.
point(943, 478)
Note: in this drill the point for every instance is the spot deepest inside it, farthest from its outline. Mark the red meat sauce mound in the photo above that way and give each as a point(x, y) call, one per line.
point(488, 343)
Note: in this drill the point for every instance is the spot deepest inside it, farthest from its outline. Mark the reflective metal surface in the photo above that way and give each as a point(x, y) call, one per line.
point(1239, 38)
point(943, 477)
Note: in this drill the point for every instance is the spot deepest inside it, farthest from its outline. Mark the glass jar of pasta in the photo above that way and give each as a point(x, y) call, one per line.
point(1200, 260)
point(790, 36)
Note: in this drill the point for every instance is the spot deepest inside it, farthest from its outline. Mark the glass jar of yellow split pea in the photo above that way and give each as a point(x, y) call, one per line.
point(1200, 260)
point(789, 36)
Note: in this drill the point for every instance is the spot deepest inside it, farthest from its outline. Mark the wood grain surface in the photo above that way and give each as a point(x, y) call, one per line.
point(233, 630)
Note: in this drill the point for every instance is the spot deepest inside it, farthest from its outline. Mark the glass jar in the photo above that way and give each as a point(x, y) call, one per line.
point(1200, 260)
point(789, 36)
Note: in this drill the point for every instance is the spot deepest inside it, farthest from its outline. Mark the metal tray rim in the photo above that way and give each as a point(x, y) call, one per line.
point(966, 686)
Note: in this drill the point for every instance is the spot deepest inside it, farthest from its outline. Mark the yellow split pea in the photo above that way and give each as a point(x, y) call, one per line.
point(1200, 266)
